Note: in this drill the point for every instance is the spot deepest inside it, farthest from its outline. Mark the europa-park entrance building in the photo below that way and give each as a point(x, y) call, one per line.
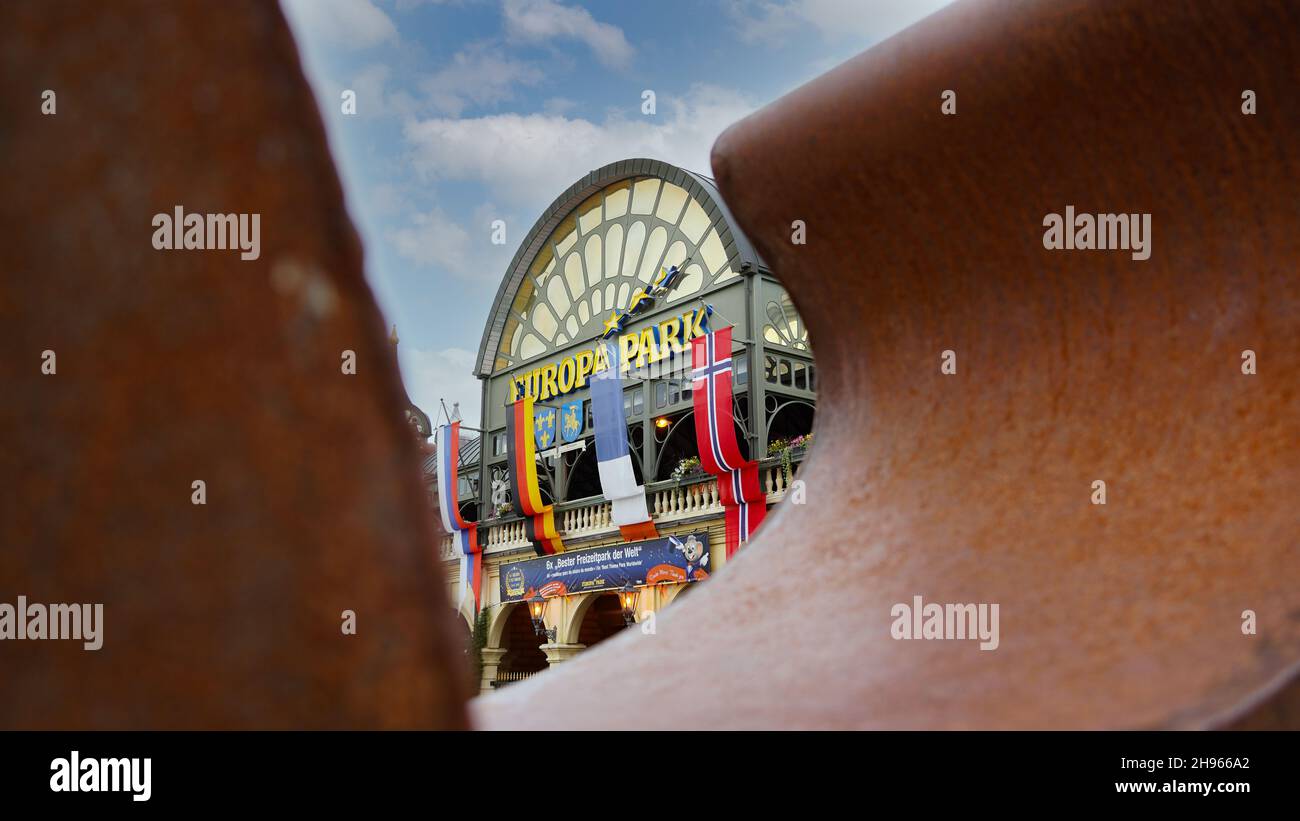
point(607, 297)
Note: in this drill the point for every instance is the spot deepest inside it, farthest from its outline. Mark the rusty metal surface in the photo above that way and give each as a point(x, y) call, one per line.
point(924, 235)
point(184, 365)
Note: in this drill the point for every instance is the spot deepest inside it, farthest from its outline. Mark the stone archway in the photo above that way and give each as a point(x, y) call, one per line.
point(518, 646)
point(671, 595)
point(600, 619)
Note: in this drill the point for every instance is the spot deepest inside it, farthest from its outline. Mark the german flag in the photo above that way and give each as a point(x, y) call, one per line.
point(539, 518)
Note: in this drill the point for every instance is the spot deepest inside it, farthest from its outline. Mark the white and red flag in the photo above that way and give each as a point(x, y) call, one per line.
point(743, 498)
point(464, 534)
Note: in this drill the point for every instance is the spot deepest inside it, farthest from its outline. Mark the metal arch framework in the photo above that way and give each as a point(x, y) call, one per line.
point(742, 421)
point(740, 253)
point(780, 403)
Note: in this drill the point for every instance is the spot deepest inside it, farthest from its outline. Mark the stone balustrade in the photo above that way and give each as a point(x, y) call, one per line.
point(668, 502)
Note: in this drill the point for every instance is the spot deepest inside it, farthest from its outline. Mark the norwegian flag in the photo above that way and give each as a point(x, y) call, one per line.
point(743, 498)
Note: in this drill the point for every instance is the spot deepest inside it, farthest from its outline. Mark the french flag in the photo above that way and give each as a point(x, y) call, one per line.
point(464, 535)
point(613, 458)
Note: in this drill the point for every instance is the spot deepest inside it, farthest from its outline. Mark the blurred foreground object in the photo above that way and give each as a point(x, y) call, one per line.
point(177, 366)
point(925, 234)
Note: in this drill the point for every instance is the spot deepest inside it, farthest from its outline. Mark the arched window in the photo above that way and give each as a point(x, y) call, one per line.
point(591, 264)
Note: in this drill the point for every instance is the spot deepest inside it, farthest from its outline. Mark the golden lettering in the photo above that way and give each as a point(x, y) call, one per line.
point(548, 383)
point(568, 373)
point(585, 361)
point(649, 348)
point(668, 332)
point(629, 344)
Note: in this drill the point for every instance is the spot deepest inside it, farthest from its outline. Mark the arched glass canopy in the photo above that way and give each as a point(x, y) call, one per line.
point(615, 242)
point(607, 236)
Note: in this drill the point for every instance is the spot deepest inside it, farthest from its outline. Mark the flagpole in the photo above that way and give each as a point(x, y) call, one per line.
point(742, 340)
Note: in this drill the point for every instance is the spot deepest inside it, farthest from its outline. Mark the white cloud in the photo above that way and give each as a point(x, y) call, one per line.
point(388, 199)
point(352, 24)
point(528, 159)
point(558, 105)
point(431, 239)
point(374, 99)
point(770, 21)
point(546, 20)
point(477, 75)
point(447, 375)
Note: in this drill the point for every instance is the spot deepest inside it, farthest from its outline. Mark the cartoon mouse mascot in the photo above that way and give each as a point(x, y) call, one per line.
point(697, 560)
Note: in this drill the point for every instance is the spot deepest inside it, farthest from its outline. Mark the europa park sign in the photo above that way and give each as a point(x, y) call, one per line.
point(636, 349)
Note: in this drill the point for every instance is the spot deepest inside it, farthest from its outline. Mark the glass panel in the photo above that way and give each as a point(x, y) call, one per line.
point(613, 248)
point(522, 298)
point(559, 298)
point(624, 292)
point(696, 222)
point(573, 276)
point(593, 261)
point(584, 312)
point(616, 199)
point(670, 203)
point(511, 336)
point(676, 255)
point(800, 376)
point(635, 240)
point(654, 249)
point(544, 322)
point(711, 252)
point(661, 394)
point(542, 261)
point(741, 369)
point(643, 195)
point(568, 233)
point(531, 346)
point(674, 393)
point(783, 372)
point(571, 325)
point(638, 401)
point(690, 283)
point(589, 213)
point(769, 368)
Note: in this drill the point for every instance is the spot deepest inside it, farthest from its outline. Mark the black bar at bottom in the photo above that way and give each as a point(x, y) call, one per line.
point(508, 773)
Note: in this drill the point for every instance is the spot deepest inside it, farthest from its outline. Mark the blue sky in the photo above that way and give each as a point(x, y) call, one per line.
point(470, 111)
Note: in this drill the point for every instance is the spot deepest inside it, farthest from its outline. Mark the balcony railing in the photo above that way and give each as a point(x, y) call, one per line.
point(503, 679)
point(669, 501)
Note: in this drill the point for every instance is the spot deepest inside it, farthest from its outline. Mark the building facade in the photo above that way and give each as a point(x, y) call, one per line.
point(593, 251)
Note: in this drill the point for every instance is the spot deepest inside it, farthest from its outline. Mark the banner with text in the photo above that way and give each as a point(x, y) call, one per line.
point(683, 558)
